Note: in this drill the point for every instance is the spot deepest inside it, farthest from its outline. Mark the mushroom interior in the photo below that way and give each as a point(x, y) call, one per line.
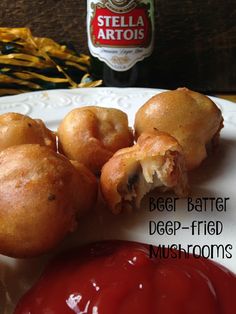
point(142, 177)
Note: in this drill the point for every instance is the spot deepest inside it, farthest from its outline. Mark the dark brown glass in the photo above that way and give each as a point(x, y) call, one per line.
point(138, 76)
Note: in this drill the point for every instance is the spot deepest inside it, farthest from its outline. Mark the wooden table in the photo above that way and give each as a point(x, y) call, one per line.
point(231, 97)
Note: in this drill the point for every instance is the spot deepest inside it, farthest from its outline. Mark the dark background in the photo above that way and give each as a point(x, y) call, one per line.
point(195, 40)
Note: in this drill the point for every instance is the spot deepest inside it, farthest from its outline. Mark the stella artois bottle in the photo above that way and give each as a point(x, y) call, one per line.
point(120, 40)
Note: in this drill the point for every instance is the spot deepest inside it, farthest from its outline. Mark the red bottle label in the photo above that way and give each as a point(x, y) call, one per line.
point(120, 32)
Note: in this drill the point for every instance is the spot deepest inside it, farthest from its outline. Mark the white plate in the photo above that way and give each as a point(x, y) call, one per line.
point(215, 178)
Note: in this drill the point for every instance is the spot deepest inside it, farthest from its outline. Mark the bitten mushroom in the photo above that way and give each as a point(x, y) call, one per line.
point(156, 161)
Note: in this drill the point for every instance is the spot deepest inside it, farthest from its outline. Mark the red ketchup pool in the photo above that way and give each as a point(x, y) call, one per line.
point(120, 278)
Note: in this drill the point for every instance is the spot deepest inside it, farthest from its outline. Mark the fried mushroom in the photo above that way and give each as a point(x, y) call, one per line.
point(41, 195)
point(87, 188)
point(192, 118)
point(156, 161)
point(91, 135)
point(17, 129)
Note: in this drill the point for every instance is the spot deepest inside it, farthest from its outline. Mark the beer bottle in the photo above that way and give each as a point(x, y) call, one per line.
point(120, 40)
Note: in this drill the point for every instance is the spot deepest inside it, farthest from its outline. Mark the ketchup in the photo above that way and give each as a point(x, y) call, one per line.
point(117, 277)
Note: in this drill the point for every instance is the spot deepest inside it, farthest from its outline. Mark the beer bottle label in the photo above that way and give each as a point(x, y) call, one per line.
point(120, 32)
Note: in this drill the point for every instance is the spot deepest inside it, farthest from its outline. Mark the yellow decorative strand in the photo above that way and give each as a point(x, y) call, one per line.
point(29, 75)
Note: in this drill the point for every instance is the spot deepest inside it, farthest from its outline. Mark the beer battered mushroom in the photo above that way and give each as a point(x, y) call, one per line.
point(16, 129)
point(91, 135)
point(156, 161)
point(41, 195)
point(192, 118)
point(86, 196)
